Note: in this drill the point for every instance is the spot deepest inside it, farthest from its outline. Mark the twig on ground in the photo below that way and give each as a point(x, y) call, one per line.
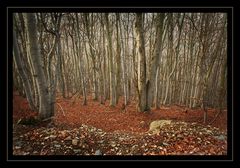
point(61, 109)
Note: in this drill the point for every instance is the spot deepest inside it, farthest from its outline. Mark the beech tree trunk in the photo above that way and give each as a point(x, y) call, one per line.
point(155, 59)
point(25, 80)
point(142, 88)
point(113, 99)
point(44, 105)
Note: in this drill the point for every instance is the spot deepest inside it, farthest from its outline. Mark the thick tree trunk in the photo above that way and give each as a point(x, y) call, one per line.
point(142, 88)
point(44, 106)
point(155, 59)
point(113, 99)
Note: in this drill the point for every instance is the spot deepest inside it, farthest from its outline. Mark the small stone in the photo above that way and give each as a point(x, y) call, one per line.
point(46, 138)
point(26, 153)
point(29, 148)
point(76, 150)
point(165, 144)
point(207, 142)
point(220, 137)
point(57, 145)
point(121, 139)
point(63, 134)
point(179, 136)
point(68, 138)
point(98, 152)
point(101, 141)
point(74, 142)
point(142, 124)
point(55, 142)
point(134, 146)
point(113, 143)
point(19, 143)
point(18, 147)
point(52, 136)
point(209, 131)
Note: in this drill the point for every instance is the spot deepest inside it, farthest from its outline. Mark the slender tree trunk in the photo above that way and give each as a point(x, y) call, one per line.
point(25, 80)
point(81, 68)
point(92, 54)
point(157, 94)
point(118, 58)
point(142, 88)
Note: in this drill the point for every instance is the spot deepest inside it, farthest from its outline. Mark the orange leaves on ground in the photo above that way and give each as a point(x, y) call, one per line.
point(114, 118)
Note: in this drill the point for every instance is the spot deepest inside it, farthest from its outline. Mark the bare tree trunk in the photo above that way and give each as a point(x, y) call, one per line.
point(142, 88)
point(81, 68)
point(214, 56)
point(92, 53)
point(123, 63)
point(170, 56)
point(113, 99)
point(44, 108)
point(155, 59)
point(118, 58)
point(25, 80)
point(157, 94)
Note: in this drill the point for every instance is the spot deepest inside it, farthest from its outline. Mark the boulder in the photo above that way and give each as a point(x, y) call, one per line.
point(155, 126)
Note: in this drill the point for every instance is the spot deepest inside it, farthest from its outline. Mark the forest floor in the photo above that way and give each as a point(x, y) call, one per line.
point(97, 129)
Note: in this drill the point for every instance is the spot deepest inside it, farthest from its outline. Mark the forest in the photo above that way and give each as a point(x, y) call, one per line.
point(119, 83)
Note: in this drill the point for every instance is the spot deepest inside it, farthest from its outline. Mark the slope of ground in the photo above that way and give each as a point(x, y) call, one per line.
point(100, 129)
point(179, 138)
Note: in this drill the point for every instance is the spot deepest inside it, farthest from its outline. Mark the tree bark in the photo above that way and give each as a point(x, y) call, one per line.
point(142, 88)
point(113, 99)
point(25, 80)
point(155, 59)
point(44, 106)
point(118, 58)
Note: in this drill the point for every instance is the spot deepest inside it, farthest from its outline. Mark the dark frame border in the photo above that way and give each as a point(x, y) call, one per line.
point(24, 7)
